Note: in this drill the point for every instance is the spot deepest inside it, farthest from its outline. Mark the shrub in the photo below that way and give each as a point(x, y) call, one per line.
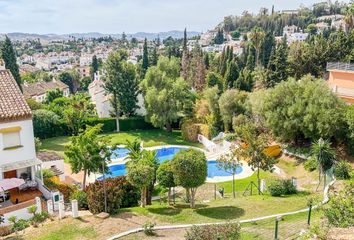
point(212, 232)
point(46, 124)
point(39, 217)
point(66, 189)
point(340, 211)
point(20, 225)
point(310, 164)
point(5, 230)
point(281, 187)
point(125, 124)
point(276, 188)
point(120, 194)
point(81, 198)
point(148, 228)
point(190, 130)
point(343, 170)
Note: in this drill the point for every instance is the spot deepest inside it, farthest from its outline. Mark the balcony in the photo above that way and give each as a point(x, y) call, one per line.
point(341, 66)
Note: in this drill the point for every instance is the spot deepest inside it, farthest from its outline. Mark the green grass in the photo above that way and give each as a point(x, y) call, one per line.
point(150, 138)
point(68, 232)
point(223, 209)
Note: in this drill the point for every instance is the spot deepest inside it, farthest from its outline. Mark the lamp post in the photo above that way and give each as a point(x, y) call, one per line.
point(104, 180)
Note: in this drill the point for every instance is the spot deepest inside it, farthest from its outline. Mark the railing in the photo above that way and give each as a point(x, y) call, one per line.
point(340, 66)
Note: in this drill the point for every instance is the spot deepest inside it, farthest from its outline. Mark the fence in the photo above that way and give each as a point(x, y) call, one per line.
point(340, 66)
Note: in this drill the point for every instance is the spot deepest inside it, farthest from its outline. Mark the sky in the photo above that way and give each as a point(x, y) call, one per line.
point(130, 16)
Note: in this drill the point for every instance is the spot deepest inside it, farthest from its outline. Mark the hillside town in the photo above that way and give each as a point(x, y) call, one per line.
point(243, 131)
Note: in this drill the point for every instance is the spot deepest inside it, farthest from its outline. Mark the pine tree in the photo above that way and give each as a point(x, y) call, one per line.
point(9, 56)
point(145, 64)
point(219, 38)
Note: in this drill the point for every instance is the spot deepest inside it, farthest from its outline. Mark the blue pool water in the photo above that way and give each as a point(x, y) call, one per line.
point(164, 154)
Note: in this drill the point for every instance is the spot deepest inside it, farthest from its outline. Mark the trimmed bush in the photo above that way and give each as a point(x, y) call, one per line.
point(281, 187)
point(343, 170)
point(125, 124)
point(120, 194)
point(215, 231)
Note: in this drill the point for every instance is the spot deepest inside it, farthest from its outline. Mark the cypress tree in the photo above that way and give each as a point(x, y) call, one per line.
point(94, 65)
point(277, 66)
point(145, 65)
point(154, 57)
point(9, 56)
point(185, 40)
point(231, 75)
point(244, 81)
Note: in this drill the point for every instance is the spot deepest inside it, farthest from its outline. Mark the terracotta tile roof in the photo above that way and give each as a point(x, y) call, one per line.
point(13, 105)
point(40, 88)
point(48, 156)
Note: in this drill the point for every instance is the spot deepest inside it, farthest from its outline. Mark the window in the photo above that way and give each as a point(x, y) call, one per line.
point(11, 140)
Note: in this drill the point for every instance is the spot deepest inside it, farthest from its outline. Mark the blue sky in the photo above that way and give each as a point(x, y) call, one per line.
point(116, 16)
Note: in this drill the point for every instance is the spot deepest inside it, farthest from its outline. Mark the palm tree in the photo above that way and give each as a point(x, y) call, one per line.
point(349, 17)
point(325, 155)
point(257, 36)
point(135, 150)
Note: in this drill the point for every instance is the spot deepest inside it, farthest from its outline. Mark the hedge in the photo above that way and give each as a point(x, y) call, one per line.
point(125, 124)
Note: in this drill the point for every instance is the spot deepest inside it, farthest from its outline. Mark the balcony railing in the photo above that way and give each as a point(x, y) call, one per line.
point(340, 66)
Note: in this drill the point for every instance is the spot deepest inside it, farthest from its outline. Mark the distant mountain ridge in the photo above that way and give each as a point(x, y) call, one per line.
point(138, 35)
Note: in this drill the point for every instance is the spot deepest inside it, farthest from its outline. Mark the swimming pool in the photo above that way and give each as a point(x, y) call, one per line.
point(164, 154)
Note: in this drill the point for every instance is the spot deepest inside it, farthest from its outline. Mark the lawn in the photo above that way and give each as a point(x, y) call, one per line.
point(150, 138)
point(227, 208)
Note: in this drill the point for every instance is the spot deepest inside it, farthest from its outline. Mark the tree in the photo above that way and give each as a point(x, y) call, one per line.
point(94, 66)
point(145, 64)
point(277, 65)
point(231, 75)
point(214, 79)
point(253, 150)
point(88, 152)
point(71, 79)
point(9, 56)
point(257, 36)
point(121, 82)
point(219, 38)
point(76, 112)
point(154, 57)
point(45, 123)
point(190, 171)
point(232, 103)
point(53, 94)
point(306, 109)
point(230, 162)
point(141, 173)
point(165, 93)
point(325, 155)
point(349, 17)
point(165, 177)
point(244, 81)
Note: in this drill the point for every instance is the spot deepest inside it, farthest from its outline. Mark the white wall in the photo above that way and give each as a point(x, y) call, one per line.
point(58, 164)
point(27, 152)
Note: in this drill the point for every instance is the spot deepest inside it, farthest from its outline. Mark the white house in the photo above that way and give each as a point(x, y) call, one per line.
point(38, 90)
point(20, 175)
point(101, 98)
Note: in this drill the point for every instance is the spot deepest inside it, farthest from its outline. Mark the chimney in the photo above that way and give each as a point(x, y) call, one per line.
point(2, 64)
